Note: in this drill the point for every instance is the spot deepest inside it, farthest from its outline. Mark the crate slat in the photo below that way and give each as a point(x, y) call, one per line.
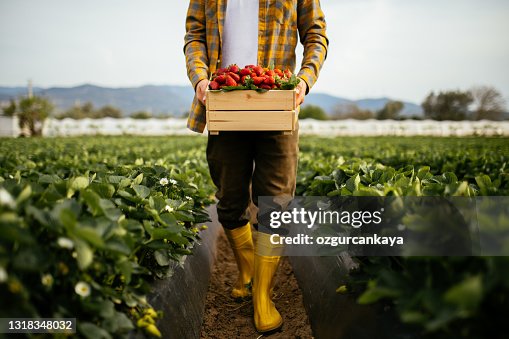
point(252, 117)
point(276, 100)
point(251, 120)
point(243, 126)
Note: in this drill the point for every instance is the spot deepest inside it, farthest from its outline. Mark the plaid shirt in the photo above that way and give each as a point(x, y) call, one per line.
point(279, 23)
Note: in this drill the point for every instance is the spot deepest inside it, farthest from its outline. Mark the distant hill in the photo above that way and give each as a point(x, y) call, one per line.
point(168, 99)
point(325, 101)
point(7, 93)
point(329, 102)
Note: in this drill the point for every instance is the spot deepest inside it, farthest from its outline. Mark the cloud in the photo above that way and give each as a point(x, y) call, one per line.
point(396, 48)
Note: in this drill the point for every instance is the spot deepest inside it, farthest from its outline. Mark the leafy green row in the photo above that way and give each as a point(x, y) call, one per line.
point(86, 221)
point(87, 224)
point(460, 297)
point(404, 166)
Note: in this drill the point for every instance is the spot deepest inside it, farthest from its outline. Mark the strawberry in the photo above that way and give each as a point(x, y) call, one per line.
point(221, 79)
point(266, 86)
point(253, 75)
point(230, 81)
point(233, 68)
point(288, 73)
point(258, 80)
point(214, 85)
point(278, 72)
point(269, 80)
point(270, 72)
point(243, 79)
point(245, 71)
point(221, 71)
point(235, 76)
point(274, 86)
point(258, 70)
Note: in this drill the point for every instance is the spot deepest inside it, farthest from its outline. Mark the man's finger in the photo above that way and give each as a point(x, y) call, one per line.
point(205, 91)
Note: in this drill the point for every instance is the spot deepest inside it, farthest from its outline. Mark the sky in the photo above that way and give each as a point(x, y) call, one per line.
point(400, 49)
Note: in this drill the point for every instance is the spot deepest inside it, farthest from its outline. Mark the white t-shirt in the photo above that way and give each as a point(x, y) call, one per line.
point(240, 33)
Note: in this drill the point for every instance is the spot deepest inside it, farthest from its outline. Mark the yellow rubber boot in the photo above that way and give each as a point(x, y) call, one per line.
point(266, 316)
point(241, 242)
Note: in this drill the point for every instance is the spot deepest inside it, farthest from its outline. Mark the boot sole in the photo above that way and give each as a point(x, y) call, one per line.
point(276, 329)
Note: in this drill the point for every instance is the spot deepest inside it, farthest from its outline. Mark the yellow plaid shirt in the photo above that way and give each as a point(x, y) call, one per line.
point(279, 23)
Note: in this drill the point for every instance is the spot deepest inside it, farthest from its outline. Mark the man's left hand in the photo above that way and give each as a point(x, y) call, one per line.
point(301, 90)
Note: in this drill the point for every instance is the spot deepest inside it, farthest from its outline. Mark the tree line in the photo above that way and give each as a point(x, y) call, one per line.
point(479, 103)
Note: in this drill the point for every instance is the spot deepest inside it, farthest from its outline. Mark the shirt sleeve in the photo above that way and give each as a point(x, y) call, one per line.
point(195, 42)
point(312, 33)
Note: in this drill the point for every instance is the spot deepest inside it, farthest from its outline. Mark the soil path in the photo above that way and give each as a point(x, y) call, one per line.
point(226, 318)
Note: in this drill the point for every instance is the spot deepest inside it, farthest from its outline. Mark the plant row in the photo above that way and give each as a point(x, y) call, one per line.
point(437, 297)
point(87, 224)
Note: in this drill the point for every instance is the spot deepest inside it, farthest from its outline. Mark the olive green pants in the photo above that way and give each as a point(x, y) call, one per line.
point(246, 165)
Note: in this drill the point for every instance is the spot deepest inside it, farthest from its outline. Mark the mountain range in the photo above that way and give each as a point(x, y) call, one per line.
point(169, 99)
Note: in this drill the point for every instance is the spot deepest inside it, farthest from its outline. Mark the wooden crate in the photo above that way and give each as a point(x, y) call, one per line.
point(247, 110)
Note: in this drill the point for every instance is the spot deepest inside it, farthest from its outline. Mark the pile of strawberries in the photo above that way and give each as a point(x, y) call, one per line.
point(252, 77)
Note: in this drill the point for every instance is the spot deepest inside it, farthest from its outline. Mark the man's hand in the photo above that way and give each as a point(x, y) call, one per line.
point(301, 90)
point(201, 88)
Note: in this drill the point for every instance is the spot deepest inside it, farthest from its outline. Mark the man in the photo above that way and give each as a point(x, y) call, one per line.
point(245, 165)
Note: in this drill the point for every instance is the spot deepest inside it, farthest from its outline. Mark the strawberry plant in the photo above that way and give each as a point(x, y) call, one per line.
point(88, 223)
point(441, 297)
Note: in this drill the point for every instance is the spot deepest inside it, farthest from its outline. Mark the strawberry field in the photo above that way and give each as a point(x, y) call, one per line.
point(404, 166)
point(437, 297)
point(88, 223)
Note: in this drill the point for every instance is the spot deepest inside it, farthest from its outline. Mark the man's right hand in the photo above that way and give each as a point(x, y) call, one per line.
point(201, 88)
